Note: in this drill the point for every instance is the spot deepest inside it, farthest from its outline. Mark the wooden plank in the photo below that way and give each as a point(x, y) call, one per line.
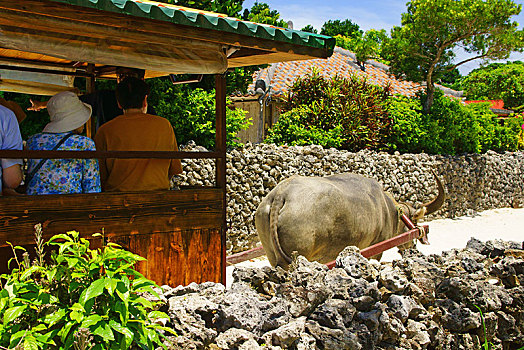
point(179, 257)
point(172, 58)
point(220, 147)
point(90, 88)
point(173, 258)
point(156, 28)
point(125, 213)
point(14, 154)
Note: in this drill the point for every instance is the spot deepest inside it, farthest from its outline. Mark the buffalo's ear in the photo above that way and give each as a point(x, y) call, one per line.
point(419, 214)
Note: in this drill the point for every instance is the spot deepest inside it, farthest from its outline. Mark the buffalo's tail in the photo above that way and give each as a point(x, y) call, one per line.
point(276, 206)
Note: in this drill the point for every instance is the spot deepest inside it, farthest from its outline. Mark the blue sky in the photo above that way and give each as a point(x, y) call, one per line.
point(376, 14)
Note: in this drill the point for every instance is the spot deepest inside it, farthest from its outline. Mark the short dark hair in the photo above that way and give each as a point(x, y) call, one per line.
point(124, 72)
point(131, 92)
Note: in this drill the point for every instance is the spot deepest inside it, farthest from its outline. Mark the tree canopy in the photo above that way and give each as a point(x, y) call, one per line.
point(365, 46)
point(261, 13)
point(345, 28)
point(422, 49)
point(496, 81)
point(310, 29)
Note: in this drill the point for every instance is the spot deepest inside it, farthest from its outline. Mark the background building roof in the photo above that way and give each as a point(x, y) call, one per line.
point(280, 76)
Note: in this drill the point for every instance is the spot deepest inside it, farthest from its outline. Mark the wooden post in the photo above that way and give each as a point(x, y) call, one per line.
point(90, 88)
point(220, 147)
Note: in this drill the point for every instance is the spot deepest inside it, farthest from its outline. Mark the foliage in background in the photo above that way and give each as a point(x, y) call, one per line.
point(310, 29)
point(35, 121)
point(192, 113)
point(497, 81)
point(231, 8)
point(407, 129)
point(337, 27)
point(84, 298)
point(261, 13)
point(422, 49)
point(366, 46)
point(345, 113)
point(450, 79)
point(450, 128)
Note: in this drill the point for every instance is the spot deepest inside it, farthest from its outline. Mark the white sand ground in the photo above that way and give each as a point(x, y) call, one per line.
point(445, 234)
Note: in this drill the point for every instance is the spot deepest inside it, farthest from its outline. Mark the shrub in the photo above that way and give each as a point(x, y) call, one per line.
point(496, 81)
point(291, 130)
point(93, 297)
point(348, 113)
point(450, 128)
point(407, 129)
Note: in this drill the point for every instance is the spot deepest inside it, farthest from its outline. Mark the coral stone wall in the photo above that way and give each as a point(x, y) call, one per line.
point(473, 182)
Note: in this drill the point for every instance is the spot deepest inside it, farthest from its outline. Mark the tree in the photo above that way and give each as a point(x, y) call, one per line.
point(310, 29)
point(229, 7)
point(422, 49)
point(450, 78)
point(345, 28)
point(261, 13)
point(367, 46)
point(496, 81)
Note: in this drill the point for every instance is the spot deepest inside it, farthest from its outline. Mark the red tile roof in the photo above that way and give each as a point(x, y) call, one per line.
point(281, 75)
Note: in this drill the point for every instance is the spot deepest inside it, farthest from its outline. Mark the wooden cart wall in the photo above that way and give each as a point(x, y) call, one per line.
point(178, 232)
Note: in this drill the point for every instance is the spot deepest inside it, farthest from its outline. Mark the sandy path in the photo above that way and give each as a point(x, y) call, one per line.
point(445, 234)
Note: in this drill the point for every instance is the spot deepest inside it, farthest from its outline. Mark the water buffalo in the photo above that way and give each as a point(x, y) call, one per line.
point(319, 216)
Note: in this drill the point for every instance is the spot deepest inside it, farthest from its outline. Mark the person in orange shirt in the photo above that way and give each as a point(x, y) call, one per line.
point(136, 130)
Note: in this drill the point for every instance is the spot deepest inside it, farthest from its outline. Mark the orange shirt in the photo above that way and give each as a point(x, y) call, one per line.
point(137, 132)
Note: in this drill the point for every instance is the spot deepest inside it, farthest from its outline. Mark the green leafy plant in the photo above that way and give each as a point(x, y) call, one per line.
point(337, 112)
point(83, 299)
point(450, 128)
point(192, 113)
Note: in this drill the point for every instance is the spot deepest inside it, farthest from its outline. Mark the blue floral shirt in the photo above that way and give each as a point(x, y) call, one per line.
point(61, 176)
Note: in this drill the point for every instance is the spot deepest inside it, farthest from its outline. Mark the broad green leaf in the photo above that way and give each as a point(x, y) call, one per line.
point(156, 314)
point(124, 296)
point(55, 317)
point(33, 269)
point(13, 313)
point(39, 327)
point(110, 285)
point(103, 330)
point(64, 332)
point(77, 307)
point(48, 337)
point(65, 237)
point(95, 289)
point(91, 320)
point(76, 316)
point(30, 343)
point(121, 308)
point(128, 334)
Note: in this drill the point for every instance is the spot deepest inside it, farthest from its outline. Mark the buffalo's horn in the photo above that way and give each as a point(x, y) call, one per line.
point(437, 202)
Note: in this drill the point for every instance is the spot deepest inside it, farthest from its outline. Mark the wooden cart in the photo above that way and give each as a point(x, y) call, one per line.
point(182, 234)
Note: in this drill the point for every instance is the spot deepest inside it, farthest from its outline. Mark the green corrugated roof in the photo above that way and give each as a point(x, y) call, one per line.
point(206, 20)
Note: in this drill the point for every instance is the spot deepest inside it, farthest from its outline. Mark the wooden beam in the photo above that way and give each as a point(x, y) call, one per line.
point(220, 147)
point(14, 154)
point(118, 213)
point(90, 88)
point(154, 28)
point(179, 56)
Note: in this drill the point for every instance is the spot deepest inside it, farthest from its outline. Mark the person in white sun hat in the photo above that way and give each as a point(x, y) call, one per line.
point(59, 176)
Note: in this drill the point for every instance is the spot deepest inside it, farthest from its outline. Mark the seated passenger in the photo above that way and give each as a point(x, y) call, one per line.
point(10, 139)
point(136, 130)
point(60, 176)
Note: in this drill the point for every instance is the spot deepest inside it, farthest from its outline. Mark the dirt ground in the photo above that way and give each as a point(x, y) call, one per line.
point(445, 234)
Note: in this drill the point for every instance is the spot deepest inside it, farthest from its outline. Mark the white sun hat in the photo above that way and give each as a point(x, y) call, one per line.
point(67, 112)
